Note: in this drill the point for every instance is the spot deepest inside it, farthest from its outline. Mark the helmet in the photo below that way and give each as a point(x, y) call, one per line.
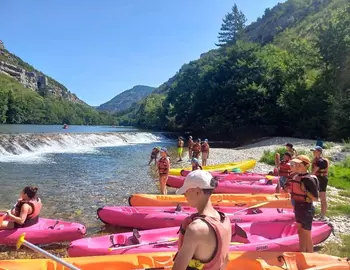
point(194, 160)
point(158, 147)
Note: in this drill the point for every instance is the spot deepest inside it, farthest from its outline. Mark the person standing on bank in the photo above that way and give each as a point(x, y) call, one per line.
point(190, 145)
point(205, 152)
point(303, 188)
point(163, 169)
point(283, 171)
point(196, 149)
point(180, 147)
point(320, 169)
point(205, 236)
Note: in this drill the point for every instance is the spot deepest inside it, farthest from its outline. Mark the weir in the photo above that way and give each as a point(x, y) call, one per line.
point(37, 144)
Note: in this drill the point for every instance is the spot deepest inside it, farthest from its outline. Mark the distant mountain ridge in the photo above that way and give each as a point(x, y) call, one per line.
point(126, 99)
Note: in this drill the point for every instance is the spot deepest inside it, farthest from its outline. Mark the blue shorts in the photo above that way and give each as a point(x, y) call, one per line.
point(283, 180)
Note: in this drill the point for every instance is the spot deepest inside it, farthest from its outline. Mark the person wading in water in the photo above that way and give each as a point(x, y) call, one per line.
point(205, 152)
point(205, 236)
point(163, 170)
point(180, 147)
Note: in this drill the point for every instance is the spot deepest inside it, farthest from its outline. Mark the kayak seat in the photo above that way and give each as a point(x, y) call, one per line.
point(119, 240)
point(257, 238)
point(288, 231)
point(135, 238)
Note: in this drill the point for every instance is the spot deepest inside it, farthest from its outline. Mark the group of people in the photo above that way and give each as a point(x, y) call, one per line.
point(195, 149)
point(306, 180)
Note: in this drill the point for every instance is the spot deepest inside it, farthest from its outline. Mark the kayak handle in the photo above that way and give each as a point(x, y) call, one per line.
point(54, 225)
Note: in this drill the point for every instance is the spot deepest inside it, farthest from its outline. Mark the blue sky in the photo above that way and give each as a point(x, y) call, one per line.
point(101, 48)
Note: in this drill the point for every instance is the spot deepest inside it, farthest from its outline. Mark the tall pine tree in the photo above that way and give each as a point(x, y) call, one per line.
point(232, 27)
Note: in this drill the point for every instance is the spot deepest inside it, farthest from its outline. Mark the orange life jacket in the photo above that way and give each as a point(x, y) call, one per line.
point(34, 203)
point(190, 143)
point(196, 147)
point(320, 172)
point(284, 168)
point(163, 165)
point(205, 148)
point(297, 189)
point(223, 240)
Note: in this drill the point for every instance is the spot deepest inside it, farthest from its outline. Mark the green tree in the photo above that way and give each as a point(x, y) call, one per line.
point(232, 27)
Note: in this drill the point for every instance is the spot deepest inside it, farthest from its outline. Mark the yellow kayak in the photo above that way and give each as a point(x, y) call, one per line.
point(278, 200)
point(242, 165)
point(152, 261)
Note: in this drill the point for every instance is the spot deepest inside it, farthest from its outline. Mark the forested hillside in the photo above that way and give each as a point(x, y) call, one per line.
point(286, 74)
point(124, 100)
point(19, 105)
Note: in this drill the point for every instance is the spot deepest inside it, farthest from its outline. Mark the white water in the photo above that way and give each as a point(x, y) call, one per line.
point(30, 148)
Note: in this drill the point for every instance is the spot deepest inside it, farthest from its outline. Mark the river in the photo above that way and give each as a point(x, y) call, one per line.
point(78, 169)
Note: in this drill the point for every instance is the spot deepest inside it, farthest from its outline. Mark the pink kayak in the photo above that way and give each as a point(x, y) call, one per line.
point(46, 231)
point(257, 236)
point(247, 176)
point(228, 186)
point(160, 217)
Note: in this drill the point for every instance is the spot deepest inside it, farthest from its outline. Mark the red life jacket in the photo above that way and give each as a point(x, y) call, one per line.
point(163, 165)
point(196, 147)
point(297, 190)
point(205, 148)
point(190, 143)
point(320, 172)
point(223, 240)
point(34, 203)
point(284, 168)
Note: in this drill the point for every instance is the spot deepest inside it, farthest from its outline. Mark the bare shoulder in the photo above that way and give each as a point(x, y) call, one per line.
point(198, 228)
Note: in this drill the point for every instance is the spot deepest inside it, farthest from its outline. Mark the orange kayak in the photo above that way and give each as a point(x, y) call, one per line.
point(238, 260)
point(278, 200)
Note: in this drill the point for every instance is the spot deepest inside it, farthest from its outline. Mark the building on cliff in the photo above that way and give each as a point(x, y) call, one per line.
point(2, 46)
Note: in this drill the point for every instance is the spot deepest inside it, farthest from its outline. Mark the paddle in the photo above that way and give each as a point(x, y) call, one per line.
point(253, 206)
point(21, 241)
point(145, 244)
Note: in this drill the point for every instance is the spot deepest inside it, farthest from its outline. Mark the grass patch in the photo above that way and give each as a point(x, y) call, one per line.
point(339, 175)
point(268, 156)
point(328, 145)
point(333, 248)
point(346, 146)
point(344, 193)
point(338, 210)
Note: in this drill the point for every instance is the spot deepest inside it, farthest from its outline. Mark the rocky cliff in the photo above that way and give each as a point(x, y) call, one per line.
point(31, 78)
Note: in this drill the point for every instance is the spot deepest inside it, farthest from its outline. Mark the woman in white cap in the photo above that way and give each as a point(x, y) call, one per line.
point(205, 236)
point(163, 170)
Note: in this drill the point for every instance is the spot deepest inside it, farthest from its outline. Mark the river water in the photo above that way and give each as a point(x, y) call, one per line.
point(77, 170)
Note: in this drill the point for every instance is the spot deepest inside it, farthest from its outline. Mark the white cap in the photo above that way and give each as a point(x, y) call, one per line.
point(196, 179)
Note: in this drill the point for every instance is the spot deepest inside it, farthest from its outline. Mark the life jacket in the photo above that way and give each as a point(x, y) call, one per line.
point(297, 189)
point(205, 148)
point(163, 165)
point(284, 168)
point(196, 167)
point(36, 208)
point(223, 241)
point(321, 172)
point(196, 147)
point(190, 143)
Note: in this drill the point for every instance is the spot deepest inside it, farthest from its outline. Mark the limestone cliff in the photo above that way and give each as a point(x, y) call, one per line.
point(31, 78)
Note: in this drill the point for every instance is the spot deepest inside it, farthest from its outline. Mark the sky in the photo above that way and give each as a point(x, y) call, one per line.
point(98, 49)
